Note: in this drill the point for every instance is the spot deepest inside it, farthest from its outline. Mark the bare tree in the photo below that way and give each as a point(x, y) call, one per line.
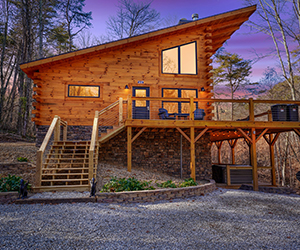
point(75, 18)
point(132, 19)
point(273, 22)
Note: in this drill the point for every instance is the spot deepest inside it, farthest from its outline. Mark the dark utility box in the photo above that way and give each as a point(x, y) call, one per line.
point(219, 173)
point(292, 113)
point(279, 112)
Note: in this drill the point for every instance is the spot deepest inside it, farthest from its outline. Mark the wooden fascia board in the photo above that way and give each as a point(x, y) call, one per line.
point(212, 124)
point(248, 11)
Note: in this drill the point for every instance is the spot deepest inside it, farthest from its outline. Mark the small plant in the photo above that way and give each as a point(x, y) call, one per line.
point(22, 159)
point(167, 184)
point(11, 183)
point(121, 184)
point(188, 182)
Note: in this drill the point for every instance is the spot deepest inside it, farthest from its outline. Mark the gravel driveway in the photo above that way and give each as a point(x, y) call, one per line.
point(224, 219)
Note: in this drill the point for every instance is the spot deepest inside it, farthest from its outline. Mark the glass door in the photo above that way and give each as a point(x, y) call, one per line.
point(140, 109)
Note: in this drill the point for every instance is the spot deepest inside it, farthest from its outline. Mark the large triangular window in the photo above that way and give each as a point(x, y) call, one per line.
point(180, 60)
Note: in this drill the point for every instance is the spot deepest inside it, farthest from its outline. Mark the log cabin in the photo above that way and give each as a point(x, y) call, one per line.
point(145, 101)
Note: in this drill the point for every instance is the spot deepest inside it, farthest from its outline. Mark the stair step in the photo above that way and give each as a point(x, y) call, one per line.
point(63, 188)
point(63, 180)
point(67, 159)
point(62, 174)
point(65, 169)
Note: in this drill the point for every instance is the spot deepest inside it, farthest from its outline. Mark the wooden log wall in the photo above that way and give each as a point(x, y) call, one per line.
point(112, 70)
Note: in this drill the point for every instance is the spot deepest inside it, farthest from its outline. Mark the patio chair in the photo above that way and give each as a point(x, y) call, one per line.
point(163, 114)
point(199, 114)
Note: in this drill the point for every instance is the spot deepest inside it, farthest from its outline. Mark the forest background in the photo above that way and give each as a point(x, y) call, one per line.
point(34, 29)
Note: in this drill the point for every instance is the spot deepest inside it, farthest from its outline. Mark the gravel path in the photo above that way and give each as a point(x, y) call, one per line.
point(224, 219)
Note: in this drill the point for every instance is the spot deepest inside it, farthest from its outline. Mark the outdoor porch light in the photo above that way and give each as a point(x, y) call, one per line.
point(126, 87)
point(202, 89)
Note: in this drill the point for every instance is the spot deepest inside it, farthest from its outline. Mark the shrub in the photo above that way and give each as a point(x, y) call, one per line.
point(22, 159)
point(167, 184)
point(121, 184)
point(11, 183)
point(188, 182)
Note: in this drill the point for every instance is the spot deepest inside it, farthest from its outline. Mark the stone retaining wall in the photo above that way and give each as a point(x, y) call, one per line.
point(156, 195)
point(24, 169)
point(8, 197)
point(133, 196)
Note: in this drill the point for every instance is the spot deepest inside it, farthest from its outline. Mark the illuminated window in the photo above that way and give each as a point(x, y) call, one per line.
point(179, 107)
point(180, 60)
point(83, 91)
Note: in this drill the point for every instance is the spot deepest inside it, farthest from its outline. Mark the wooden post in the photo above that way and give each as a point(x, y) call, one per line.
point(129, 107)
point(232, 144)
point(254, 159)
point(219, 145)
point(39, 164)
point(193, 162)
point(57, 129)
point(65, 132)
point(97, 121)
point(228, 175)
point(272, 154)
point(91, 164)
point(120, 110)
point(192, 108)
point(129, 152)
point(251, 109)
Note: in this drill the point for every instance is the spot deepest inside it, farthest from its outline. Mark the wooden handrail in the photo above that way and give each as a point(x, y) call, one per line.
point(109, 107)
point(54, 128)
point(214, 100)
point(94, 139)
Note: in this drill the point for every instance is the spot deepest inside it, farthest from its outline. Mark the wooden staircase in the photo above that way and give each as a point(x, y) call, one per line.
point(66, 166)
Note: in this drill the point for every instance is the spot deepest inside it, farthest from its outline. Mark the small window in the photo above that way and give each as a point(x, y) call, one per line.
point(180, 60)
point(84, 91)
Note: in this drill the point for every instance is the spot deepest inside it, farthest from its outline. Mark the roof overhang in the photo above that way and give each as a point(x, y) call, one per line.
point(221, 27)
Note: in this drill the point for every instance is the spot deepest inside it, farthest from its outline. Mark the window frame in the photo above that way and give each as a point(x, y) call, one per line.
point(179, 96)
point(178, 56)
point(82, 85)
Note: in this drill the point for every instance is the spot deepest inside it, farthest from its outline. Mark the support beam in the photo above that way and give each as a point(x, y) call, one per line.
point(254, 159)
point(261, 134)
point(272, 161)
point(201, 134)
point(129, 152)
point(297, 131)
point(275, 139)
point(184, 134)
point(245, 135)
point(193, 161)
point(232, 144)
point(138, 134)
point(219, 145)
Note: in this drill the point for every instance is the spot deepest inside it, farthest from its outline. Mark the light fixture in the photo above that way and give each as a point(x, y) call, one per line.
point(126, 87)
point(202, 89)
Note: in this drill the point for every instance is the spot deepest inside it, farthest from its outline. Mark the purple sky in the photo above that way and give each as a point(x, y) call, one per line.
point(242, 43)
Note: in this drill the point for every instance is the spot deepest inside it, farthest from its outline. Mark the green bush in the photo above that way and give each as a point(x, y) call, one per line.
point(11, 183)
point(188, 182)
point(121, 184)
point(167, 184)
point(22, 159)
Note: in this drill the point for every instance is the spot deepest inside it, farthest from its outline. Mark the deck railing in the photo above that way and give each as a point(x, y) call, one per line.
point(53, 129)
point(215, 109)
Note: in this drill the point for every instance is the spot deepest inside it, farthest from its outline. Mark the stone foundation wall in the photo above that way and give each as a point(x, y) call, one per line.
point(75, 133)
point(159, 151)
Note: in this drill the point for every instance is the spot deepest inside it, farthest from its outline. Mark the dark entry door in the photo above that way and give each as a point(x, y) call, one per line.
point(140, 108)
